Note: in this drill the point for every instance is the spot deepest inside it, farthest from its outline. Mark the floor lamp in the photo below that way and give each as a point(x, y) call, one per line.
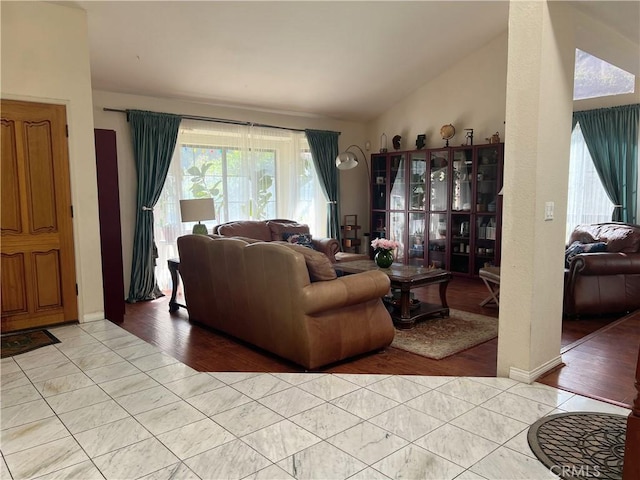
point(348, 160)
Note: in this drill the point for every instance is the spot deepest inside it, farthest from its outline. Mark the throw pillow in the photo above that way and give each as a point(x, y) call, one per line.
point(318, 265)
point(303, 239)
point(577, 247)
point(596, 247)
point(278, 228)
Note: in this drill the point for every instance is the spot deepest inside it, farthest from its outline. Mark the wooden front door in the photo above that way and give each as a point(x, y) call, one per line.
point(38, 267)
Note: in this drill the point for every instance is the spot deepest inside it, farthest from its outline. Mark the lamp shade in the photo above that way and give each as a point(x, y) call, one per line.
point(346, 161)
point(197, 209)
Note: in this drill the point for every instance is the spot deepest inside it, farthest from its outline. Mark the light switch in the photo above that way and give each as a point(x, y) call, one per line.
point(548, 211)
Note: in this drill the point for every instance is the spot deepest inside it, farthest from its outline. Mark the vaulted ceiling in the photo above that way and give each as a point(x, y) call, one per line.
point(349, 60)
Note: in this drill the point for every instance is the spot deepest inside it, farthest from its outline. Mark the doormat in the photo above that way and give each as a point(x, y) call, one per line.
point(23, 342)
point(582, 445)
point(439, 338)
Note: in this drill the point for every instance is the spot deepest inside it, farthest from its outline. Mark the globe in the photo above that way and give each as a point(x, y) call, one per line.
point(447, 131)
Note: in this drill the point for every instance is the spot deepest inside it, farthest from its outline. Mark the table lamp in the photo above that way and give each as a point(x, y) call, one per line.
point(196, 210)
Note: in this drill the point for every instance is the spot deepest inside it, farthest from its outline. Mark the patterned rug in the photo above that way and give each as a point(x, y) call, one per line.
point(439, 338)
point(583, 445)
point(23, 342)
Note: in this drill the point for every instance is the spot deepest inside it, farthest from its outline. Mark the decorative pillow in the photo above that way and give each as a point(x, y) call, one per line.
point(303, 239)
point(318, 265)
point(278, 228)
point(577, 247)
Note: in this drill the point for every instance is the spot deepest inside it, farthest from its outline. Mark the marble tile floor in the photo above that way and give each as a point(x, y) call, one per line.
point(105, 404)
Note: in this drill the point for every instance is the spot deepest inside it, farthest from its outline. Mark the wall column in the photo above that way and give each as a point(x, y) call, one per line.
point(537, 140)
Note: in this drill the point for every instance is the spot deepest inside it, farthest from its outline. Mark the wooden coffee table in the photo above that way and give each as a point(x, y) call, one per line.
point(405, 277)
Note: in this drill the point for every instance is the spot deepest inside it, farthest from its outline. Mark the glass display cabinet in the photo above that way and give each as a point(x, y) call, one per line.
point(441, 205)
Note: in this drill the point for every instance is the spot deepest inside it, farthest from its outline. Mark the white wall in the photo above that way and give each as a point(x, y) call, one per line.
point(351, 133)
point(471, 94)
point(45, 58)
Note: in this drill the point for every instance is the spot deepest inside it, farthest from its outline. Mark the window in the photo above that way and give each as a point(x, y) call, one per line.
point(587, 200)
point(252, 173)
point(596, 78)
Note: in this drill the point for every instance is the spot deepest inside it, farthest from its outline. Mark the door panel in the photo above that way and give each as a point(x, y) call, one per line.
point(14, 285)
point(40, 177)
point(10, 189)
point(37, 262)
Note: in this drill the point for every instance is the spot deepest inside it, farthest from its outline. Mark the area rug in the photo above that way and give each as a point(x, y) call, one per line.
point(580, 445)
point(439, 338)
point(23, 342)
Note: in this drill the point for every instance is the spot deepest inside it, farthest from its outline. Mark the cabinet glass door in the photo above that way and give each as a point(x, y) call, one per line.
point(461, 244)
point(437, 238)
point(398, 232)
point(379, 182)
point(417, 181)
point(438, 179)
point(485, 244)
point(415, 247)
point(462, 176)
point(487, 187)
point(487, 180)
point(398, 190)
point(378, 225)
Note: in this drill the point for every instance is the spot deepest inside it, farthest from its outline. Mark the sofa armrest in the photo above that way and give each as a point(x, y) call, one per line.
point(328, 246)
point(605, 263)
point(344, 291)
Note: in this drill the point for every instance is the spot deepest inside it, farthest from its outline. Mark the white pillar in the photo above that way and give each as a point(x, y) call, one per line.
point(537, 141)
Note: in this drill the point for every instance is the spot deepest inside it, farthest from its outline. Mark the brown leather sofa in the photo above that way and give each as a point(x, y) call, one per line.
point(604, 282)
point(273, 230)
point(262, 293)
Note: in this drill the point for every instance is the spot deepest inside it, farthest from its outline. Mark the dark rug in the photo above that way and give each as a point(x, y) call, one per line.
point(23, 342)
point(579, 446)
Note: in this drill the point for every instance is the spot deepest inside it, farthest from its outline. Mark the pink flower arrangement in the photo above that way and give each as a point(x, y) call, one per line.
point(384, 244)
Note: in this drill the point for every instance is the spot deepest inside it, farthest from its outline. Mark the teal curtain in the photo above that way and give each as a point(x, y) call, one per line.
point(154, 138)
point(324, 150)
point(611, 135)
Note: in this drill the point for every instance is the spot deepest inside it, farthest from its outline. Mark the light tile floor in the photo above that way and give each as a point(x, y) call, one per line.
point(105, 404)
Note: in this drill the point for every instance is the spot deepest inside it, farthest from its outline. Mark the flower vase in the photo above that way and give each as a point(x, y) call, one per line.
point(383, 258)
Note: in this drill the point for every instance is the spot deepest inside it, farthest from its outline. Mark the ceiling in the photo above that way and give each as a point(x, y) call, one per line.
point(346, 60)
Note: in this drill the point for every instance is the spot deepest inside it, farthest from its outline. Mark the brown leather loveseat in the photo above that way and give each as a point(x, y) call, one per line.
point(608, 281)
point(262, 293)
point(274, 230)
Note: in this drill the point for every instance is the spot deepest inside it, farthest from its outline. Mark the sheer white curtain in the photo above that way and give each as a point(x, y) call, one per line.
point(251, 172)
point(587, 200)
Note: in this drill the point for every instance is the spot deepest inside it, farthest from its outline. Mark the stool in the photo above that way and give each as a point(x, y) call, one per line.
point(491, 278)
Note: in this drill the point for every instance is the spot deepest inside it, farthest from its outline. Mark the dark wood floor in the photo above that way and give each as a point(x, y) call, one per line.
point(601, 367)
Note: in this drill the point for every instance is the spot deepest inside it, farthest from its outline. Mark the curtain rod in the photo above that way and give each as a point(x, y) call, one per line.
point(220, 120)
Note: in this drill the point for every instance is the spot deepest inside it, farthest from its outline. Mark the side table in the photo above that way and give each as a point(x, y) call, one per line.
point(174, 269)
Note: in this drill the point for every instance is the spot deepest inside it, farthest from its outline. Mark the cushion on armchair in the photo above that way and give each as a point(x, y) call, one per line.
point(303, 239)
point(278, 229)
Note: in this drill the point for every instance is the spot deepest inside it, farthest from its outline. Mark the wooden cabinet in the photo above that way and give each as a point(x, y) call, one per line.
point(441, 205)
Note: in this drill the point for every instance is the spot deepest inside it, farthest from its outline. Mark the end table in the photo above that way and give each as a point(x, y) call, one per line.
point(174, 269)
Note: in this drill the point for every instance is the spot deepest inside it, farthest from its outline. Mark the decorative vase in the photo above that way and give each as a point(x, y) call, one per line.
point(384, 258)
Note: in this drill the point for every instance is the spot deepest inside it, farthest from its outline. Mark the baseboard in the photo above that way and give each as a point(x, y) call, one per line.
point(92, 317)
point(531, 376)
